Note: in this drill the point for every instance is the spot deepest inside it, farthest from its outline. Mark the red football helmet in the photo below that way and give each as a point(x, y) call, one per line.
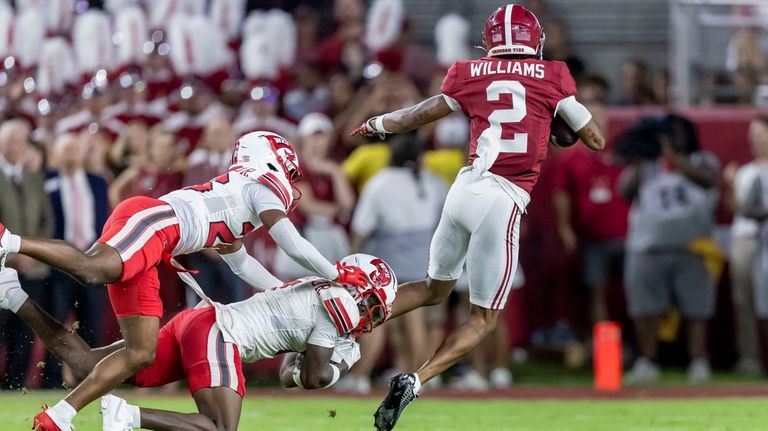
point(513, 30)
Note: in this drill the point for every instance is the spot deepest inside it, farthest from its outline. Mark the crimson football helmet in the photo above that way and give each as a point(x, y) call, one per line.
point(513, 30)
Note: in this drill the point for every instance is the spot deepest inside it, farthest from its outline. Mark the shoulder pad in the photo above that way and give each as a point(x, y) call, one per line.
point(340, 306)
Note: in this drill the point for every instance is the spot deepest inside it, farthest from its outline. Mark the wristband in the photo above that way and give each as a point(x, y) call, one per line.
point(336, 376)
point(378, 124)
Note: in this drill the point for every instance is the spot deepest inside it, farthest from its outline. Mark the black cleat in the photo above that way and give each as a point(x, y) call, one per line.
point(402, 390)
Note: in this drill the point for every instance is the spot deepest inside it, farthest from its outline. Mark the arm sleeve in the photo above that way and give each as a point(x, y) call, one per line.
point(300, 250)
point(574, 113)
point(250, 270)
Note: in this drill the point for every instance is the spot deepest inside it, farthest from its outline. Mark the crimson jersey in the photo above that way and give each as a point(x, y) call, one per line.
point(511, 104)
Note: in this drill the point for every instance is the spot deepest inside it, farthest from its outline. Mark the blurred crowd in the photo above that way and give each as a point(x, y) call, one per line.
point(102, 101)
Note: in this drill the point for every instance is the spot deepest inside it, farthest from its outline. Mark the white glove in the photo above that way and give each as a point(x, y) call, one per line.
point(347, 350)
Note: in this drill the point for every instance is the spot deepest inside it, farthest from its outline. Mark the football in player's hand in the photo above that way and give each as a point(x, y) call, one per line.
point(561, 133)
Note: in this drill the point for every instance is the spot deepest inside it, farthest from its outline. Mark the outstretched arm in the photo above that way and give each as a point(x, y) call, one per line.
point(294, 245)
point(407, 119)
point(247, 268)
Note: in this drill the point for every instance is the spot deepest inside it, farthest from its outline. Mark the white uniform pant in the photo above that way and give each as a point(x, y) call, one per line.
point(480, 224)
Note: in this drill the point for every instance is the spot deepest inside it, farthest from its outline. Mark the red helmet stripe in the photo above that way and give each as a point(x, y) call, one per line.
point(272, 182)
point(508, 24)
point(344, 315)
point(336, 316)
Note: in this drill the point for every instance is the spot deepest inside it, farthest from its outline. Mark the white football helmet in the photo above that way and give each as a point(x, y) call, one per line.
point(268, 148)
point(374, 301)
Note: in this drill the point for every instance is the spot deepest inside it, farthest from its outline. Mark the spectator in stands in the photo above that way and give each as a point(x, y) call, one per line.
point(331, 51)
point(670, 259)
point(80, 209)
point(746, 183)
point(162, 173)
point(130, 147)
point(327, 198)
point(591, 215)
point(635, 89)
point(660, 86)
point(259, 112)
point(558, 47)
point(97, 143)
point(198, 106)
point(594, 90)
point(24, 207)
point(310, 94)
point(396, 216)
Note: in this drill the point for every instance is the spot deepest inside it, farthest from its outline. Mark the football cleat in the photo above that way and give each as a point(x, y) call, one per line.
point(402, 390)
point(10, 289)
point(43, 422)
point(114, 412)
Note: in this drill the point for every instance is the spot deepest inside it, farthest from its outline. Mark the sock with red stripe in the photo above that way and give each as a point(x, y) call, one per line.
point(11, 242)
point(62, 414)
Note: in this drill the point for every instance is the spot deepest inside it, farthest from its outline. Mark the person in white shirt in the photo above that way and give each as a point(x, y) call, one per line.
point(745, 229)
point(314, 318)
point(401, 237)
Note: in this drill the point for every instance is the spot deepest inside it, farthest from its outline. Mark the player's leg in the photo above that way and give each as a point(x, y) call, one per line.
point(214, 373)
point(99, 265)
point(491, 265)
point(66, 344)
point(491, 255)
point(140, 337)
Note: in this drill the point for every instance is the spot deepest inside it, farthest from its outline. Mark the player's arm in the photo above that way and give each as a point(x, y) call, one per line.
point(407, 119)
point(580, 120)
point(312, 369)
point(246, 267)
point(294, 245)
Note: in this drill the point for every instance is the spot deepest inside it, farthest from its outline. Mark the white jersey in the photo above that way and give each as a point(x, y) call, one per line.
point(310, 310)
point(226, 208)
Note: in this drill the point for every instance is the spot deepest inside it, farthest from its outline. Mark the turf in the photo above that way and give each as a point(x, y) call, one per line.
point(287, 414)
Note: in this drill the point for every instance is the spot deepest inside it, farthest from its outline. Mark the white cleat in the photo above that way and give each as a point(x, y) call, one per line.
point(501, 378)
point(115, 415)
point(471, 381)
point(699, 372)
point(643, 372)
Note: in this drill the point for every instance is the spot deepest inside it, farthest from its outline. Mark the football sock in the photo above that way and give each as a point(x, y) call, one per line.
point(135, 413)
point(62, 414)
point(12, 243)
point(417, 386)
point(16, 297)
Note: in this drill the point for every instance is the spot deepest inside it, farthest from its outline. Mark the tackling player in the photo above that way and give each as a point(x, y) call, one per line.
point(511, 97)
point(315, 316)
point(142, 232)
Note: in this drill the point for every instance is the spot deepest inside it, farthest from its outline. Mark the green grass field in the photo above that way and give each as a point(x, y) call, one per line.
point(286, 414)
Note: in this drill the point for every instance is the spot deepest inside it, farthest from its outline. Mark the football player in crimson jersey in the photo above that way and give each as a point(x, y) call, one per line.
point(315, 318)
point(143, 232)
point(511, 97)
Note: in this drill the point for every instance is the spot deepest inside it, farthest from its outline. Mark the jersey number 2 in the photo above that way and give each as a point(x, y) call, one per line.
point(519, 142)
